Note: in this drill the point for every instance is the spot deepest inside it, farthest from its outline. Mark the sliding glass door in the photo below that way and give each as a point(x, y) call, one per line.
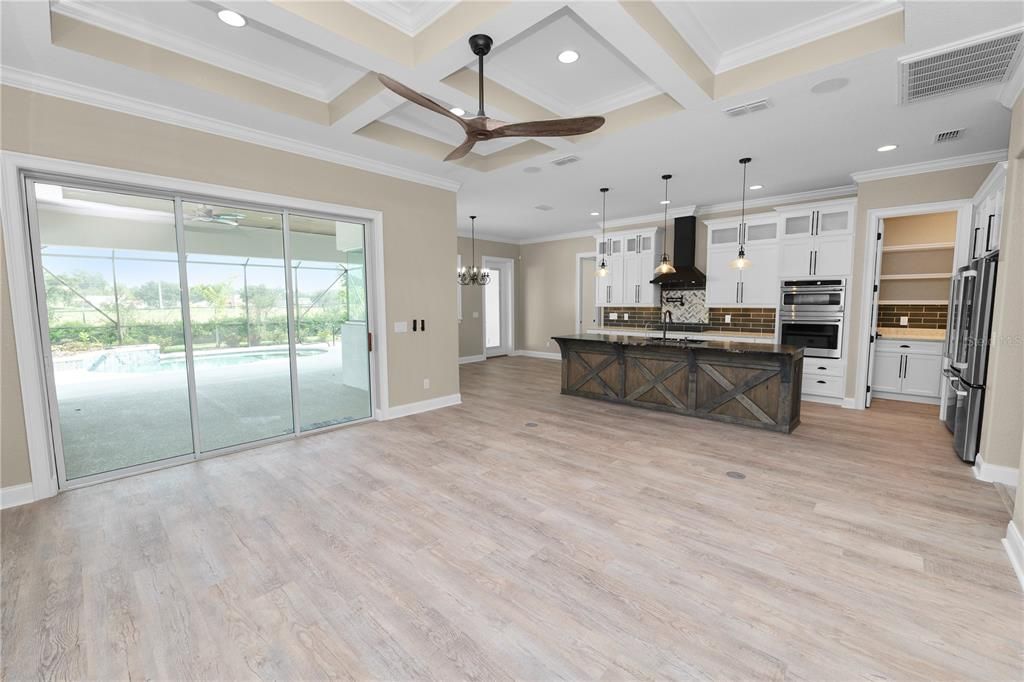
point(272, 339)
point(109, 269)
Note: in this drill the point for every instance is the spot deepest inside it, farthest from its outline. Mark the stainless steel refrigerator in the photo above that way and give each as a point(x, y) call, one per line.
point(968, 340)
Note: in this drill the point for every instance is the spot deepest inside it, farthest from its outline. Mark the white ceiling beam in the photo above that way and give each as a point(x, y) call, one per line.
point(620, 29)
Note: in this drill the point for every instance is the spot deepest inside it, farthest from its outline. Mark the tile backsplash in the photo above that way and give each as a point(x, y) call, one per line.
point(920, 316)
point(749, 320)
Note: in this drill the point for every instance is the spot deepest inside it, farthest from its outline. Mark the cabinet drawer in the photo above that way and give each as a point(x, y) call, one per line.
point(909, 346)
point(829, 367)
point(816, 384)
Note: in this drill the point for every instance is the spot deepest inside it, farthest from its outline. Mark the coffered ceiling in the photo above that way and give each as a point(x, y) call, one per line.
point(301, 76)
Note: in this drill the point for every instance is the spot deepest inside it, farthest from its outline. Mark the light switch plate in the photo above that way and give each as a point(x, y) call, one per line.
point(476, 314)
point(401, 327)
point(426, 383)
point(728, 319)
point(613, 316)
point(904, 321)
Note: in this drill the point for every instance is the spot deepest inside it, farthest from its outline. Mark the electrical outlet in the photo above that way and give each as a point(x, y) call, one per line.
point(613, 316)
point(728, 319)
point(625, 316)
point(904, 321)
point(426, 383)
point(401, 327)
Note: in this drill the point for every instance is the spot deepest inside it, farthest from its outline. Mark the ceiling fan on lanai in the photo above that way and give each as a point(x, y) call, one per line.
point(481, 128)
point(206, 214)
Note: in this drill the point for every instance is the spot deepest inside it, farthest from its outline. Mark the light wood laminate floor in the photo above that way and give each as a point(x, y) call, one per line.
point(528, 535)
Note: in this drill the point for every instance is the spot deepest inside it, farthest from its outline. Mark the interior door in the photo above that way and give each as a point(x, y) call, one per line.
point(876, 293)
point(587, 318)
point(498, 306)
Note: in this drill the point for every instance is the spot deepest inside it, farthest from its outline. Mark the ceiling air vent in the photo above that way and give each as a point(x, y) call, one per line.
point(952, 68)
point(949, 135)
point(565, 160)
point(748, 108)
point(544, 207)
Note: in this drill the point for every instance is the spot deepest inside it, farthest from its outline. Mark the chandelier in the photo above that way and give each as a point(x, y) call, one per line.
point(472, 275)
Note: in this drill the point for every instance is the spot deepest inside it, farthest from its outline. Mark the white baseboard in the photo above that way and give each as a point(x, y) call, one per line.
point(995, 473)
point(1014, 544)
point(883, 395)
point(823, 399)
point(537, 354)
point(399, 411)
point(15, 495)
point(471, 358)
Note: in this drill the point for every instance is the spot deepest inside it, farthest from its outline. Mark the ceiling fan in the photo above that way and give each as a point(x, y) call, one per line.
point(481, 128)
point(205, 214)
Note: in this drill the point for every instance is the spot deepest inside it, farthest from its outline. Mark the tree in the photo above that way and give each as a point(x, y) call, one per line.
point(158, 294)
point(217, 296)
point(261, 299)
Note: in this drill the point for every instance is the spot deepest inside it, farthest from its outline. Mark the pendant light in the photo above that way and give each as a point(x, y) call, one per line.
point(473, 275)
point(602, 269)
point(665, 267)
point(741, 261)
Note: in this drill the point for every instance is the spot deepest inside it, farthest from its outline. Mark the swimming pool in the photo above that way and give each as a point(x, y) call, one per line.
point(111, 363)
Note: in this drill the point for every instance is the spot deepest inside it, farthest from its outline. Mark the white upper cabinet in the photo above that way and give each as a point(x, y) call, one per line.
point(756, 286)
point(988, 213)
point(631, 257)
point(817, 239)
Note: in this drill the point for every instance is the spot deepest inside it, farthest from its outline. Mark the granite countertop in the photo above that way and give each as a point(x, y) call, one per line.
point(678, 334)
point(911, 334)
point(685, 344)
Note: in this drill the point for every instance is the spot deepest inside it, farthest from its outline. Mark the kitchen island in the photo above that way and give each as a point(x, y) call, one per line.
point(754, 384)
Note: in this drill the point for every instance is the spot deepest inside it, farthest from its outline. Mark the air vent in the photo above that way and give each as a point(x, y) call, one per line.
point(953, 68)
point(544, 207)
point(748, 108)
point(565, 160)
point(949, 135)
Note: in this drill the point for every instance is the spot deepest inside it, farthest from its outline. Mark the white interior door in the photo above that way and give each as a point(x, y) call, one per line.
point(498, 306)
point(586, 304)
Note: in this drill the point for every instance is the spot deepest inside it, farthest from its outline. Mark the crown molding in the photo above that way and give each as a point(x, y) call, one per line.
point(56, 87)
point(408, 21)
point(993, 156)
point(559, 237)
point(677, 212)
point(1014, 86)
point(108, 18)
point(806, 32)
point(780, 199)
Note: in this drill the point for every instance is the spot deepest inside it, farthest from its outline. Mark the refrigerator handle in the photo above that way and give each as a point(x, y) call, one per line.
point(988, 233)
point(974, 242)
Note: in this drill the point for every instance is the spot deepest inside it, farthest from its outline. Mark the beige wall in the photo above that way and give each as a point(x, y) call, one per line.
point(1002, 430)
point(547, 297)
point(419, 221)
point(948, 185)
point(14, 466)
point(471, 329)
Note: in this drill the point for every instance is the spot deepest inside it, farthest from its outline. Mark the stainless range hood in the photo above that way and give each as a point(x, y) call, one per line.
point(684, 245)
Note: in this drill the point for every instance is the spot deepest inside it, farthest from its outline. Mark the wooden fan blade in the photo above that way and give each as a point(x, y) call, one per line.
point(461, 150)
point(559, 127)
point(416, 98)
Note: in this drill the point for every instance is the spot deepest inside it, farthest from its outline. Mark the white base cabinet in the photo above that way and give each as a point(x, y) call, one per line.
point(905, 370)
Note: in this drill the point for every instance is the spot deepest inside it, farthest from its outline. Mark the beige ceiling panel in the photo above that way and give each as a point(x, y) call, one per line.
point(82, 37)
point(353, 97)
point(665, 35)
point(355, 25)
point(454, 25)
point(856, 42)
point(428, 146)
point(465, 80)
point(635, 114)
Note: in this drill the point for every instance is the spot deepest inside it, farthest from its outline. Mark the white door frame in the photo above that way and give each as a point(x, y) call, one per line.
point(508, 328)
point(25, 312)
point(580, 257)
point(871, 268)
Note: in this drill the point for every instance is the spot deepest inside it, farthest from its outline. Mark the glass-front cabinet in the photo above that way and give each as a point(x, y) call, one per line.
point(631, 257)
point(755, 286)
point(817, 239)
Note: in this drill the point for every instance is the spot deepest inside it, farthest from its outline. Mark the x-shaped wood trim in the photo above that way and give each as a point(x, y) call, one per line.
point(655, 381)
point(735, 392)
point(594, 373)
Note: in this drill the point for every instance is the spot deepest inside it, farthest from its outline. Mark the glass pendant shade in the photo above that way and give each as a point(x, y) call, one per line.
point(665, 267)
point(741, 262)
point(602, 269)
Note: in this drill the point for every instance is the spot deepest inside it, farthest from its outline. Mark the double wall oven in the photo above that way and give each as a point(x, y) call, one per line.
point(811, 316)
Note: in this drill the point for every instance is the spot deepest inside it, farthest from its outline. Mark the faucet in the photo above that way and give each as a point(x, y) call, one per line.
point(666, 317)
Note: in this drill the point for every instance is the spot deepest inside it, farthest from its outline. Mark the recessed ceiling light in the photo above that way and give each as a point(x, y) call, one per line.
point(664, 201)
point(532, 169)
point(568, 56)
point(591, 213)
point(757, 187)
point(831, 85)
point(231, 18)
point(887, 147)
point(458, 111)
